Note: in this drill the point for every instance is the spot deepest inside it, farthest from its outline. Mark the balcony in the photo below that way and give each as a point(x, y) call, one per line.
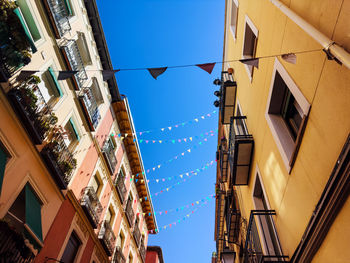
point(121, 189)
point(219, 221)
point(241, 145)
point(143, 250)
point(91, 206)
point(59, 16)
point(31, 108)
point(262, 244)
point(223, 157)
point(13, 247)
point(15, 44)
point(74, 62)
point(130, 213)
point(233, 219)
point(90, 108)
point(227, 95)
point(118, 256)
point(59, 160)
point(137, 235)
point(109, 155)
point(107, 238)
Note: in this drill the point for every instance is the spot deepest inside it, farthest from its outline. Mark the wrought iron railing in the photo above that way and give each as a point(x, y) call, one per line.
point(143, 250)
point(137, 235)
point(109, 155)
point(13, 247)
point(59, 159)
point(220, 219)
point(91, 205)
point(75, 60)
point(59, 15)
point(223, 159)
point(233, 218)
point(107, 237)
point(90, 108)
point(14, 51)
point(121, 187)
point(118, 256)
point(32, 109)
point(130, 212)
point(241, 145)
point(262, 243)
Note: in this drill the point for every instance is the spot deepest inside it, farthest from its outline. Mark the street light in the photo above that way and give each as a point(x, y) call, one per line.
point(228, 256)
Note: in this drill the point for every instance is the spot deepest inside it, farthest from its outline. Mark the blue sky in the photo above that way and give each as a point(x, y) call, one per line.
point(155, 33)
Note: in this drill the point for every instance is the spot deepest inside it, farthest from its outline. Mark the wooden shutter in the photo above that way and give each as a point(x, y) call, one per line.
point(71, 249)
point(33, 211)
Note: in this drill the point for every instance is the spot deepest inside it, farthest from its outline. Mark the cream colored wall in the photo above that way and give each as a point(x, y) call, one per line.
point(324, 84)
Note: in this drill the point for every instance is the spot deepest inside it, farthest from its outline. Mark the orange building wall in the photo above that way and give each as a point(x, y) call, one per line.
point(57, 233)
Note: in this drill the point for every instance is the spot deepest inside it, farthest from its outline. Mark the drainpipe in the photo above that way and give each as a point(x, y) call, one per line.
point(332, 49)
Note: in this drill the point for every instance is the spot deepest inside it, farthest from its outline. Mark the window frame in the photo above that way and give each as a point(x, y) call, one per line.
point(234, 31)
point(253, 28)
point(73, 232)
point(287, 147)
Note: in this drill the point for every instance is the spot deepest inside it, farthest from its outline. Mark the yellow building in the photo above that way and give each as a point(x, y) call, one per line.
point(283, 147)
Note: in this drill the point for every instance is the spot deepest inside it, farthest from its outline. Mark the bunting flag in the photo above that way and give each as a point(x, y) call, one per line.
point(290, 58)
point(108, 73)
point(155, 72)
point(63, 75)
point(26, 74)
point(208, 67)
point(251, 62)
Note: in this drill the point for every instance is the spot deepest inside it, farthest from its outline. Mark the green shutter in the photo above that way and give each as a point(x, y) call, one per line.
point(25, 28)
point(57, 85)
point(3, 160)
point(33, 211)
point(74, 129)
point(69, 8)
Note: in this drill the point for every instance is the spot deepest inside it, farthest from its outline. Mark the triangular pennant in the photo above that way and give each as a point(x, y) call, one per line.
point(155, 72)
point(162, 129)
point(63, 75)
point(290, 58)
point(108, 73)
point(251, 62)
point(208, 67)
point(26, 74)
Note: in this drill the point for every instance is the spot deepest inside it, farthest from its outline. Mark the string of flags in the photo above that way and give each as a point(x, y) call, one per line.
point(174, 223)
point(181, 176)
point(290, 57)
point(169, 128)
point(181, 208)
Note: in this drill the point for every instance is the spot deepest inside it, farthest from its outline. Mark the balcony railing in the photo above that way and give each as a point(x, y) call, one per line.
point(121, 189)
point(241, 147)
point(118, 256)
point(220, 219)
point(90, 108)
point(59, 16)
point(227, 96)
point(13, 247)
point(14, 47)
point(59, 160)
point(223, 155)
point(109, 155)
point(75, 63)
point(35, 114)
point(143, 250)
point(137, 235)
point(262, 244)
point(91, 205)
point(233, 219)
point(107, 238)
point(130, 212)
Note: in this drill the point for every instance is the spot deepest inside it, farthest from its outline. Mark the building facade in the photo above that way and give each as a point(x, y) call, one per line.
point(72, 183)
point(283, 147)
point(154, 255)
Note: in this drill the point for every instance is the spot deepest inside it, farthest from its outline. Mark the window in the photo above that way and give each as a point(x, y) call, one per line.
point(25, 215)
point(266, 223)
point(250, 43)
point(121, 240)
point(97, 184)
point(4, 157)
point(112, 144)
point(110, 215)
point(241, 127)
point(71, 250)
point(96, 91)
point(83, 48)
point(286, 114)
point(49, 87)
point(234, 17)
point(131, 258)
point(71, 137)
